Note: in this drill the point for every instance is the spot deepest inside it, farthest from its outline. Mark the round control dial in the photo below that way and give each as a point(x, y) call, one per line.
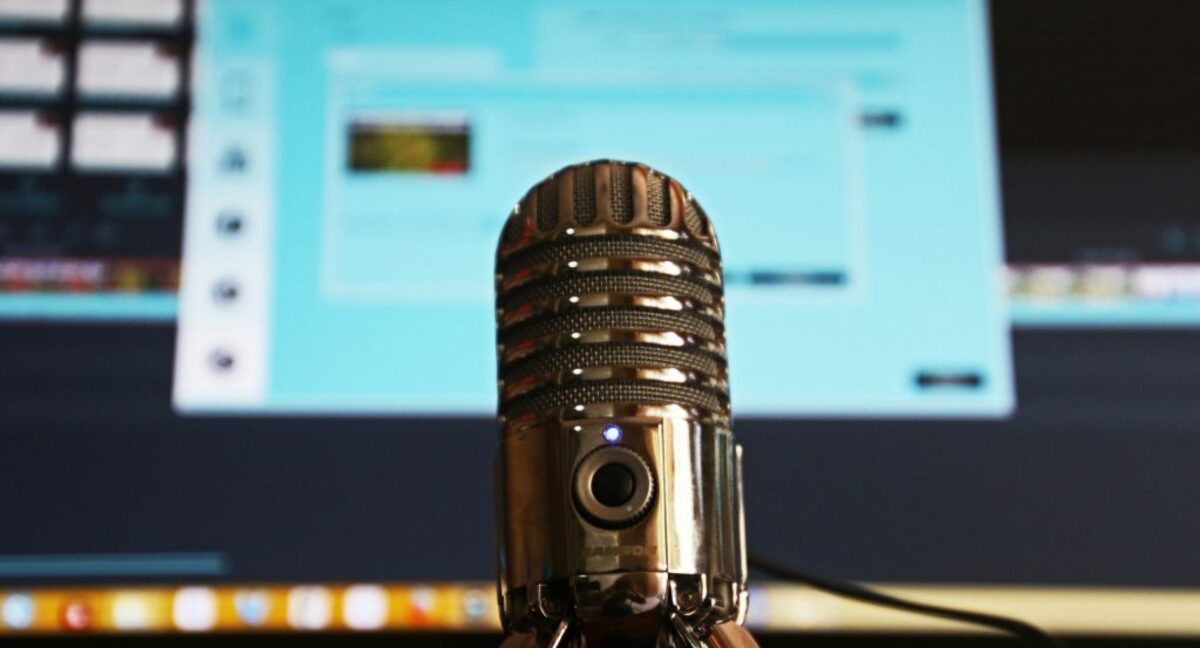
point(614, 487)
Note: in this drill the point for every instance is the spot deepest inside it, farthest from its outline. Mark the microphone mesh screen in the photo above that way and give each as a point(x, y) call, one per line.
point(622, 199)
point(584, 178)
point(599, 306)
point(610, 319)
point(547, 206)
point(656, 207)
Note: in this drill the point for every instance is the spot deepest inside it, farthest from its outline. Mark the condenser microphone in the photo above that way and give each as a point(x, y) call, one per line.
point(620, 504)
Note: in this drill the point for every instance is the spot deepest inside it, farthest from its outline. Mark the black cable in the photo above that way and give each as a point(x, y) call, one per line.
point(1027, 632)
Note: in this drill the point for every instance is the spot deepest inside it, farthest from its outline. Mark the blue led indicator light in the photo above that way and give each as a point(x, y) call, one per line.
point(612, 434)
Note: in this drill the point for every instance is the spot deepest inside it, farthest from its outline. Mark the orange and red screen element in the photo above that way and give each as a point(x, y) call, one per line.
point(405, 145)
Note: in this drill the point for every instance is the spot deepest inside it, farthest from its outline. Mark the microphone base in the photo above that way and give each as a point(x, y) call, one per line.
point(726, 635)
point(629, 609)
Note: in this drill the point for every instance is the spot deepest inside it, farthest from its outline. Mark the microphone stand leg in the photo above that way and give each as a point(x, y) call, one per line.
point(725, 635)
point(731, 635)
point(684, 632)
point(530, 639)
point(558, 639)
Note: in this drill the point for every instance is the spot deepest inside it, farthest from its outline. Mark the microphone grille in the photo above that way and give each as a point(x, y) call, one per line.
point(610, 299)
point(619, 193)
point(584, 206)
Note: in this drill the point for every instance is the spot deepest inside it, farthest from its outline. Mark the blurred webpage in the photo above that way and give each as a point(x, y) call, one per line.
point(368, 154)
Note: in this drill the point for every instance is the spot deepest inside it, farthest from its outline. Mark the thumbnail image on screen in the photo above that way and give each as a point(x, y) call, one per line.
point(429, 144)
point(93, 107)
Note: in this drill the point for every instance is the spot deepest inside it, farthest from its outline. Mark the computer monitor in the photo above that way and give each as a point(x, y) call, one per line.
point(371, 152)
point(246, 258)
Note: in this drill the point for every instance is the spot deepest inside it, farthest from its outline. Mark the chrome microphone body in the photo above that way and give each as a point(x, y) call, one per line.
point(620, 501)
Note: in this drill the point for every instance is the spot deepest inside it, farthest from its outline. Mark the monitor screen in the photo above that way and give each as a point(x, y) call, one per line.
point(370, 154)
point(247, 320)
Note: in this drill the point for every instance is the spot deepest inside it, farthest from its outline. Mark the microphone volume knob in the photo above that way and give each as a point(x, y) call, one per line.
point(614, 487)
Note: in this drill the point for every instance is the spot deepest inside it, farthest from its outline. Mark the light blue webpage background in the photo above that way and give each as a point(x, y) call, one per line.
point(922, 262)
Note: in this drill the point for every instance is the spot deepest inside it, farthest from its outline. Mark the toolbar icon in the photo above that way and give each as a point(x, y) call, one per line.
point(130, 611)
point(364, 607)
point(75, 615)
point(195, 609)
point(252, 607)
point(309, 608)
point(17, 611)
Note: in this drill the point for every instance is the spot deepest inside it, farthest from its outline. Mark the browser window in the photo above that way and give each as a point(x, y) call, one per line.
point(369, 154)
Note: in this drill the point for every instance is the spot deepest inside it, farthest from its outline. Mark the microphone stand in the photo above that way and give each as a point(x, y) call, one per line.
point(620, 517)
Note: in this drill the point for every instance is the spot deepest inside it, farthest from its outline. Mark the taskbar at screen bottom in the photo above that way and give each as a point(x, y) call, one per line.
point(472, 608)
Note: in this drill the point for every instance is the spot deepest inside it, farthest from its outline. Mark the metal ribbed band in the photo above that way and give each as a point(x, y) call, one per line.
point(557, 397)
point(626, 318)
point(614, 282)
point(616, 355)
point(612, 246)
